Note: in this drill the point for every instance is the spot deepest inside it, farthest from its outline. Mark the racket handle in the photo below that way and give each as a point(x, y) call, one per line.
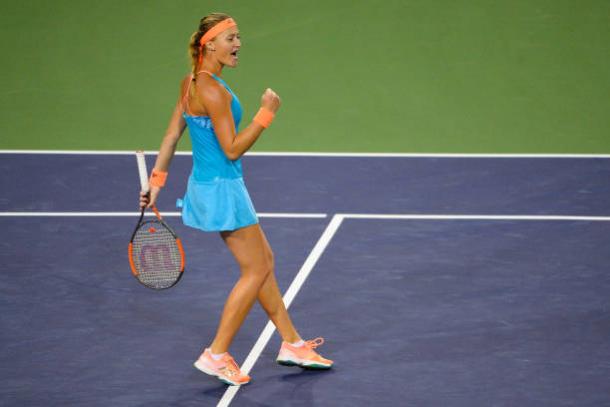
point(142, 170)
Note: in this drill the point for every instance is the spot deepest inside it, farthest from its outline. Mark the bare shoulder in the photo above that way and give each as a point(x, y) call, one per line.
point(184, 83)
point(211, 91)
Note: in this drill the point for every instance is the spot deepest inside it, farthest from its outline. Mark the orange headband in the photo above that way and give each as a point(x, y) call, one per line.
point(217, 29)
point(213, 32)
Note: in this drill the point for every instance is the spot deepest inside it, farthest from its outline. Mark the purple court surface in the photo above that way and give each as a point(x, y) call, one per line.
point(435, 281)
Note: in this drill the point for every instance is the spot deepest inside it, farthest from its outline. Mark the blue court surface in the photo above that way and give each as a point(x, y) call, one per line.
point(435, 281)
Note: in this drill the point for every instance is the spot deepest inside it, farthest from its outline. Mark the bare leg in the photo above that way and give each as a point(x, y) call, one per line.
point(271, 300)
point(248, 247)
point(255, 259)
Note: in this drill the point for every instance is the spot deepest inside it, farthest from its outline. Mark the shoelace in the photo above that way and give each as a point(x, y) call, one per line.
point(231, 366)
point(314, 343)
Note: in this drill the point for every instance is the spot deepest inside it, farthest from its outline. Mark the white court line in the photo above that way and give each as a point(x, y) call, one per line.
point(133, 214)
point(476, 217)
point(321, 154)
point(323, 215)
point(433, 155)
point(292, 291)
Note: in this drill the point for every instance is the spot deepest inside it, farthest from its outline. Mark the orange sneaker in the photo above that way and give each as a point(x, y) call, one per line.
point(303, 356)
point(225, 369)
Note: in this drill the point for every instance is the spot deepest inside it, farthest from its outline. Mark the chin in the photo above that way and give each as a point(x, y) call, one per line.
point(232, 63)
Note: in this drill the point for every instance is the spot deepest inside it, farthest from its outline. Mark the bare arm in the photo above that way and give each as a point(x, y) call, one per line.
point(174, 132)
point(217, 103)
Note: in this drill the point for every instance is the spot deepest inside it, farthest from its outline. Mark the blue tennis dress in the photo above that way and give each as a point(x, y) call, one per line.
point(216, 197)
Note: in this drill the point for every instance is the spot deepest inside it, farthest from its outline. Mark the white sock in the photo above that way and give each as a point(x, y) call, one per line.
point(217, 356)
point(298, 344)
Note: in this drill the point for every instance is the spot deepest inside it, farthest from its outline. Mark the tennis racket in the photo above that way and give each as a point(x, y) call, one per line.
point(156, 255)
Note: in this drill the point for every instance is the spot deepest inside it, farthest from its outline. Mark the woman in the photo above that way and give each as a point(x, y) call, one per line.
point(217, 199)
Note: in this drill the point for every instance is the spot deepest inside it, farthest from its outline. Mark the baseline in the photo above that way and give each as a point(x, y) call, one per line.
point(324, 154)
point(133, 214)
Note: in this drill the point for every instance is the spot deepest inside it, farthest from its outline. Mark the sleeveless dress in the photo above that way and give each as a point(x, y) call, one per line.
point(216, 197)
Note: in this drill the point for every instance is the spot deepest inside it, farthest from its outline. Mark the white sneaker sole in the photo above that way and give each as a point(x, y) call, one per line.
point(202, 368)
point(304, 363)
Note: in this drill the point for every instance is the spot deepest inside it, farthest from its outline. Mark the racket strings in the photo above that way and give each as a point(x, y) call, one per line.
point(156, 256)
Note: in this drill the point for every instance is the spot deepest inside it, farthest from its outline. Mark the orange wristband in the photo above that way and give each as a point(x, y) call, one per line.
point(157, 178)
point(264, 117)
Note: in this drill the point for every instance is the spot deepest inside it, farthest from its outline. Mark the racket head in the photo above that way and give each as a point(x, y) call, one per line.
point(156, 255)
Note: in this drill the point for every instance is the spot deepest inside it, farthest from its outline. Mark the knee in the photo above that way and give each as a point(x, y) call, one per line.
point(267, 267)
point(259, 270)
point(270, 261)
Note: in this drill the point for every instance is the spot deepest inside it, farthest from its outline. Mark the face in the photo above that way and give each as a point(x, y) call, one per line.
point(227, 45)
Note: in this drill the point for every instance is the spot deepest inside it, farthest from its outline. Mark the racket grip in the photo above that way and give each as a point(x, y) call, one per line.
point(142, 171)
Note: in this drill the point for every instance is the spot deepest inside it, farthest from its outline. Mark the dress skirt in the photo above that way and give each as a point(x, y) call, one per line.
point(220, 204)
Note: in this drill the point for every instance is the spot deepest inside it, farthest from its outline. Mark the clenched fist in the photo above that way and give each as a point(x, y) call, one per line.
point(270, 100)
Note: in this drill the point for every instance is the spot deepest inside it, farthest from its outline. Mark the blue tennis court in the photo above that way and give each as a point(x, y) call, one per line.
point(435, 280)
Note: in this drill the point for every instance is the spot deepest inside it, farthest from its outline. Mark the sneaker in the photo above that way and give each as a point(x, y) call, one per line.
point(225, 369)
point(303, 356)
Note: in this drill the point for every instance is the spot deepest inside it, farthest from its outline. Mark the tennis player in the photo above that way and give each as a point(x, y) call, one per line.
point(217, 200)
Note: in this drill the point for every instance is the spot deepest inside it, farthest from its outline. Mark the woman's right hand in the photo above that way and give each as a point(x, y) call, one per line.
point(270, 100)
point(150, 198)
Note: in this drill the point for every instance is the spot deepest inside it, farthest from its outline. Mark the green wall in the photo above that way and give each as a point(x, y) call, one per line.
point(382, 76)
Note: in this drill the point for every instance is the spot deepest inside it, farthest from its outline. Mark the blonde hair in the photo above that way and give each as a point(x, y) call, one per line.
point(195, 49)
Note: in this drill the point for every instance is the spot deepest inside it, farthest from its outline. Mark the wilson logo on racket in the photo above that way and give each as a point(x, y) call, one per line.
point(153, 255)
point(156, 256)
